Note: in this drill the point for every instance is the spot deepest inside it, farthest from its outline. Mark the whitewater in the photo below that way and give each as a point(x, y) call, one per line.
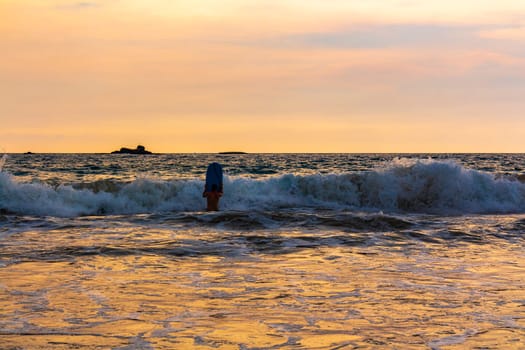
point(308, 251)
point(400, 185)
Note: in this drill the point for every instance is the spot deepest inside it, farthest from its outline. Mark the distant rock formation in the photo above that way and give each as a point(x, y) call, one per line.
point(139, 150)
point(233, 152)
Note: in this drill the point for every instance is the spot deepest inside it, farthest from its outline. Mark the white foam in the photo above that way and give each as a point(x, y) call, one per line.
point(422, 186)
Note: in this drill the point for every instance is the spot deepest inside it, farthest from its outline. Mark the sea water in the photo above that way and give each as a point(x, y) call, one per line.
point(308, 251)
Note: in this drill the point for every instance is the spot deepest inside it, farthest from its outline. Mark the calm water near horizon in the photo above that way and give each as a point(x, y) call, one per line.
point(309, 251)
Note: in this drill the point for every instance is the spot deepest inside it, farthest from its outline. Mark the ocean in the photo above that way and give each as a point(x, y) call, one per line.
point(308, 251)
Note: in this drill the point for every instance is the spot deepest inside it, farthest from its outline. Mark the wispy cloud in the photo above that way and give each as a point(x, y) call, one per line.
point(508, 33)
point(79, 5)
point(384, 36)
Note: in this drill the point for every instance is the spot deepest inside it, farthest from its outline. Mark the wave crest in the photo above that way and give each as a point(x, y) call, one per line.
point(404, 185)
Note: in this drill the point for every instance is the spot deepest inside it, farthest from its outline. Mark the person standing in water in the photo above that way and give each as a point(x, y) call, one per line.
point(213, 187)
point(212, 198)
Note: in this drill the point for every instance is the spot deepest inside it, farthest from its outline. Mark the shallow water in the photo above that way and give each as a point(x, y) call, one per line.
point(302, 274)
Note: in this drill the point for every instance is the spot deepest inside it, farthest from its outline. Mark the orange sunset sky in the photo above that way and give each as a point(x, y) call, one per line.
point(262, 76)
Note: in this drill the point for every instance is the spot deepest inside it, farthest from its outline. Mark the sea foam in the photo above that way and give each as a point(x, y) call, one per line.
point(403, 185)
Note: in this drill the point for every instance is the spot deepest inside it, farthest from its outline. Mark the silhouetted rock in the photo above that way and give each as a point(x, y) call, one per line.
point(139, 150)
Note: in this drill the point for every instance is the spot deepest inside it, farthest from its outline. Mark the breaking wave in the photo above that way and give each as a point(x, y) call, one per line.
point(404, 185)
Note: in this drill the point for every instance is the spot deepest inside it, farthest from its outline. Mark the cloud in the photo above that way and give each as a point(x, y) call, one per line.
point(385, 36)
point(510, 33)
point(79, 5)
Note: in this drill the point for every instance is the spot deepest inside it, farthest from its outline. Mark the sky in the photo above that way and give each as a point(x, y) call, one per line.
point(262, 76)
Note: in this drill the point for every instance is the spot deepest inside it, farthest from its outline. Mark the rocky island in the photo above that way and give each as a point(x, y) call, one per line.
point(139, 150)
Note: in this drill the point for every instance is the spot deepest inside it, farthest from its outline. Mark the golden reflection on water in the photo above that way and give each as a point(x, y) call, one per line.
point(414, 297)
